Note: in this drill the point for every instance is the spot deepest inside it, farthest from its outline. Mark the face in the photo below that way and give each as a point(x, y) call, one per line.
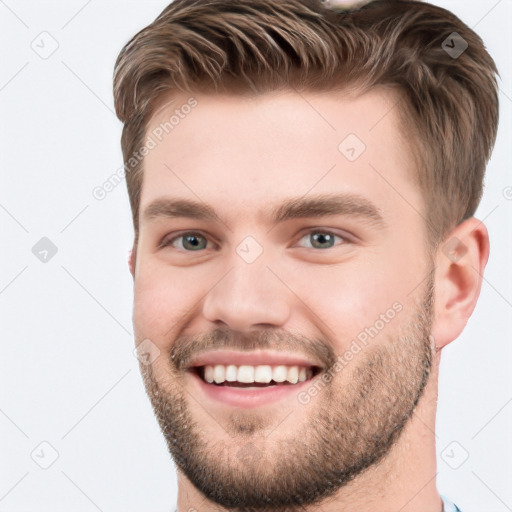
point(281, 237)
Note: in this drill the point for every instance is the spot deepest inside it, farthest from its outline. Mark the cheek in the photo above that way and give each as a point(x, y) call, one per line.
point(351, 297)
point(163, 300)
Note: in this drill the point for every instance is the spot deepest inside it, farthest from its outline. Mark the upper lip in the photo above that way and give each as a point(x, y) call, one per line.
point(256, 358)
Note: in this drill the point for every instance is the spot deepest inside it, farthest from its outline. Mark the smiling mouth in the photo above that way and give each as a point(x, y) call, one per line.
point(253, 377)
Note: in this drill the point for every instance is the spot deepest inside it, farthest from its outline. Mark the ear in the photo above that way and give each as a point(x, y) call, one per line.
point(131, 261)
point(460, 264)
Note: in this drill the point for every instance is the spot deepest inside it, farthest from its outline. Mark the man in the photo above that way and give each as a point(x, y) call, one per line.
point(303, 181)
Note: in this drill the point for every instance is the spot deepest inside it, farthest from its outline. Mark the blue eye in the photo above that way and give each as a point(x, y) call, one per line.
point(190, 242)
point(321, 239)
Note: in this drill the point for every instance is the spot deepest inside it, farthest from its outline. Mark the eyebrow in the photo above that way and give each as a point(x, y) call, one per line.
point(351, 205)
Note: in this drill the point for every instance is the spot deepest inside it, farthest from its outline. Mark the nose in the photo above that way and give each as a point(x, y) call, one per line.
point(248, 296)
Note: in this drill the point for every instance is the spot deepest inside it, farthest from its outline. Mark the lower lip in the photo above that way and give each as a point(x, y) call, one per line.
point(245, 397)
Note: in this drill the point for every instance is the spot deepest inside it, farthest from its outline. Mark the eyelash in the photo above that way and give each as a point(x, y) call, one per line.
point(168, 242)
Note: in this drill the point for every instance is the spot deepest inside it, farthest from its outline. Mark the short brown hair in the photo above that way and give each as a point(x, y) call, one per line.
point(449, 102)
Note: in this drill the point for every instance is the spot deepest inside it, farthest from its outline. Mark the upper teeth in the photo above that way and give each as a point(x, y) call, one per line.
point(264, 373)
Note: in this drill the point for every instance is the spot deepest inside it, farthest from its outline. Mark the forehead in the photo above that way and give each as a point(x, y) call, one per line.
point(256, 150)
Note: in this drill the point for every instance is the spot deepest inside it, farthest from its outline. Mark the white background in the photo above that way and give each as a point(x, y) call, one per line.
point(68, 374)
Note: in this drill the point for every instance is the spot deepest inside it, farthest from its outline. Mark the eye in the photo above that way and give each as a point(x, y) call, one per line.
point(320, 239)
point(189, 242)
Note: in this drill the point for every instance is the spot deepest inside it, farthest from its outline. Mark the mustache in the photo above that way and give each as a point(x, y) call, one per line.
point(186, 347)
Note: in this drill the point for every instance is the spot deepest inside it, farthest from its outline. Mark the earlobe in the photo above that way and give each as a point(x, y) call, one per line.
point(460, 264)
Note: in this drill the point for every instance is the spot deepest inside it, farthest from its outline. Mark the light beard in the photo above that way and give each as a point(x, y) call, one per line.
point(353, 423)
